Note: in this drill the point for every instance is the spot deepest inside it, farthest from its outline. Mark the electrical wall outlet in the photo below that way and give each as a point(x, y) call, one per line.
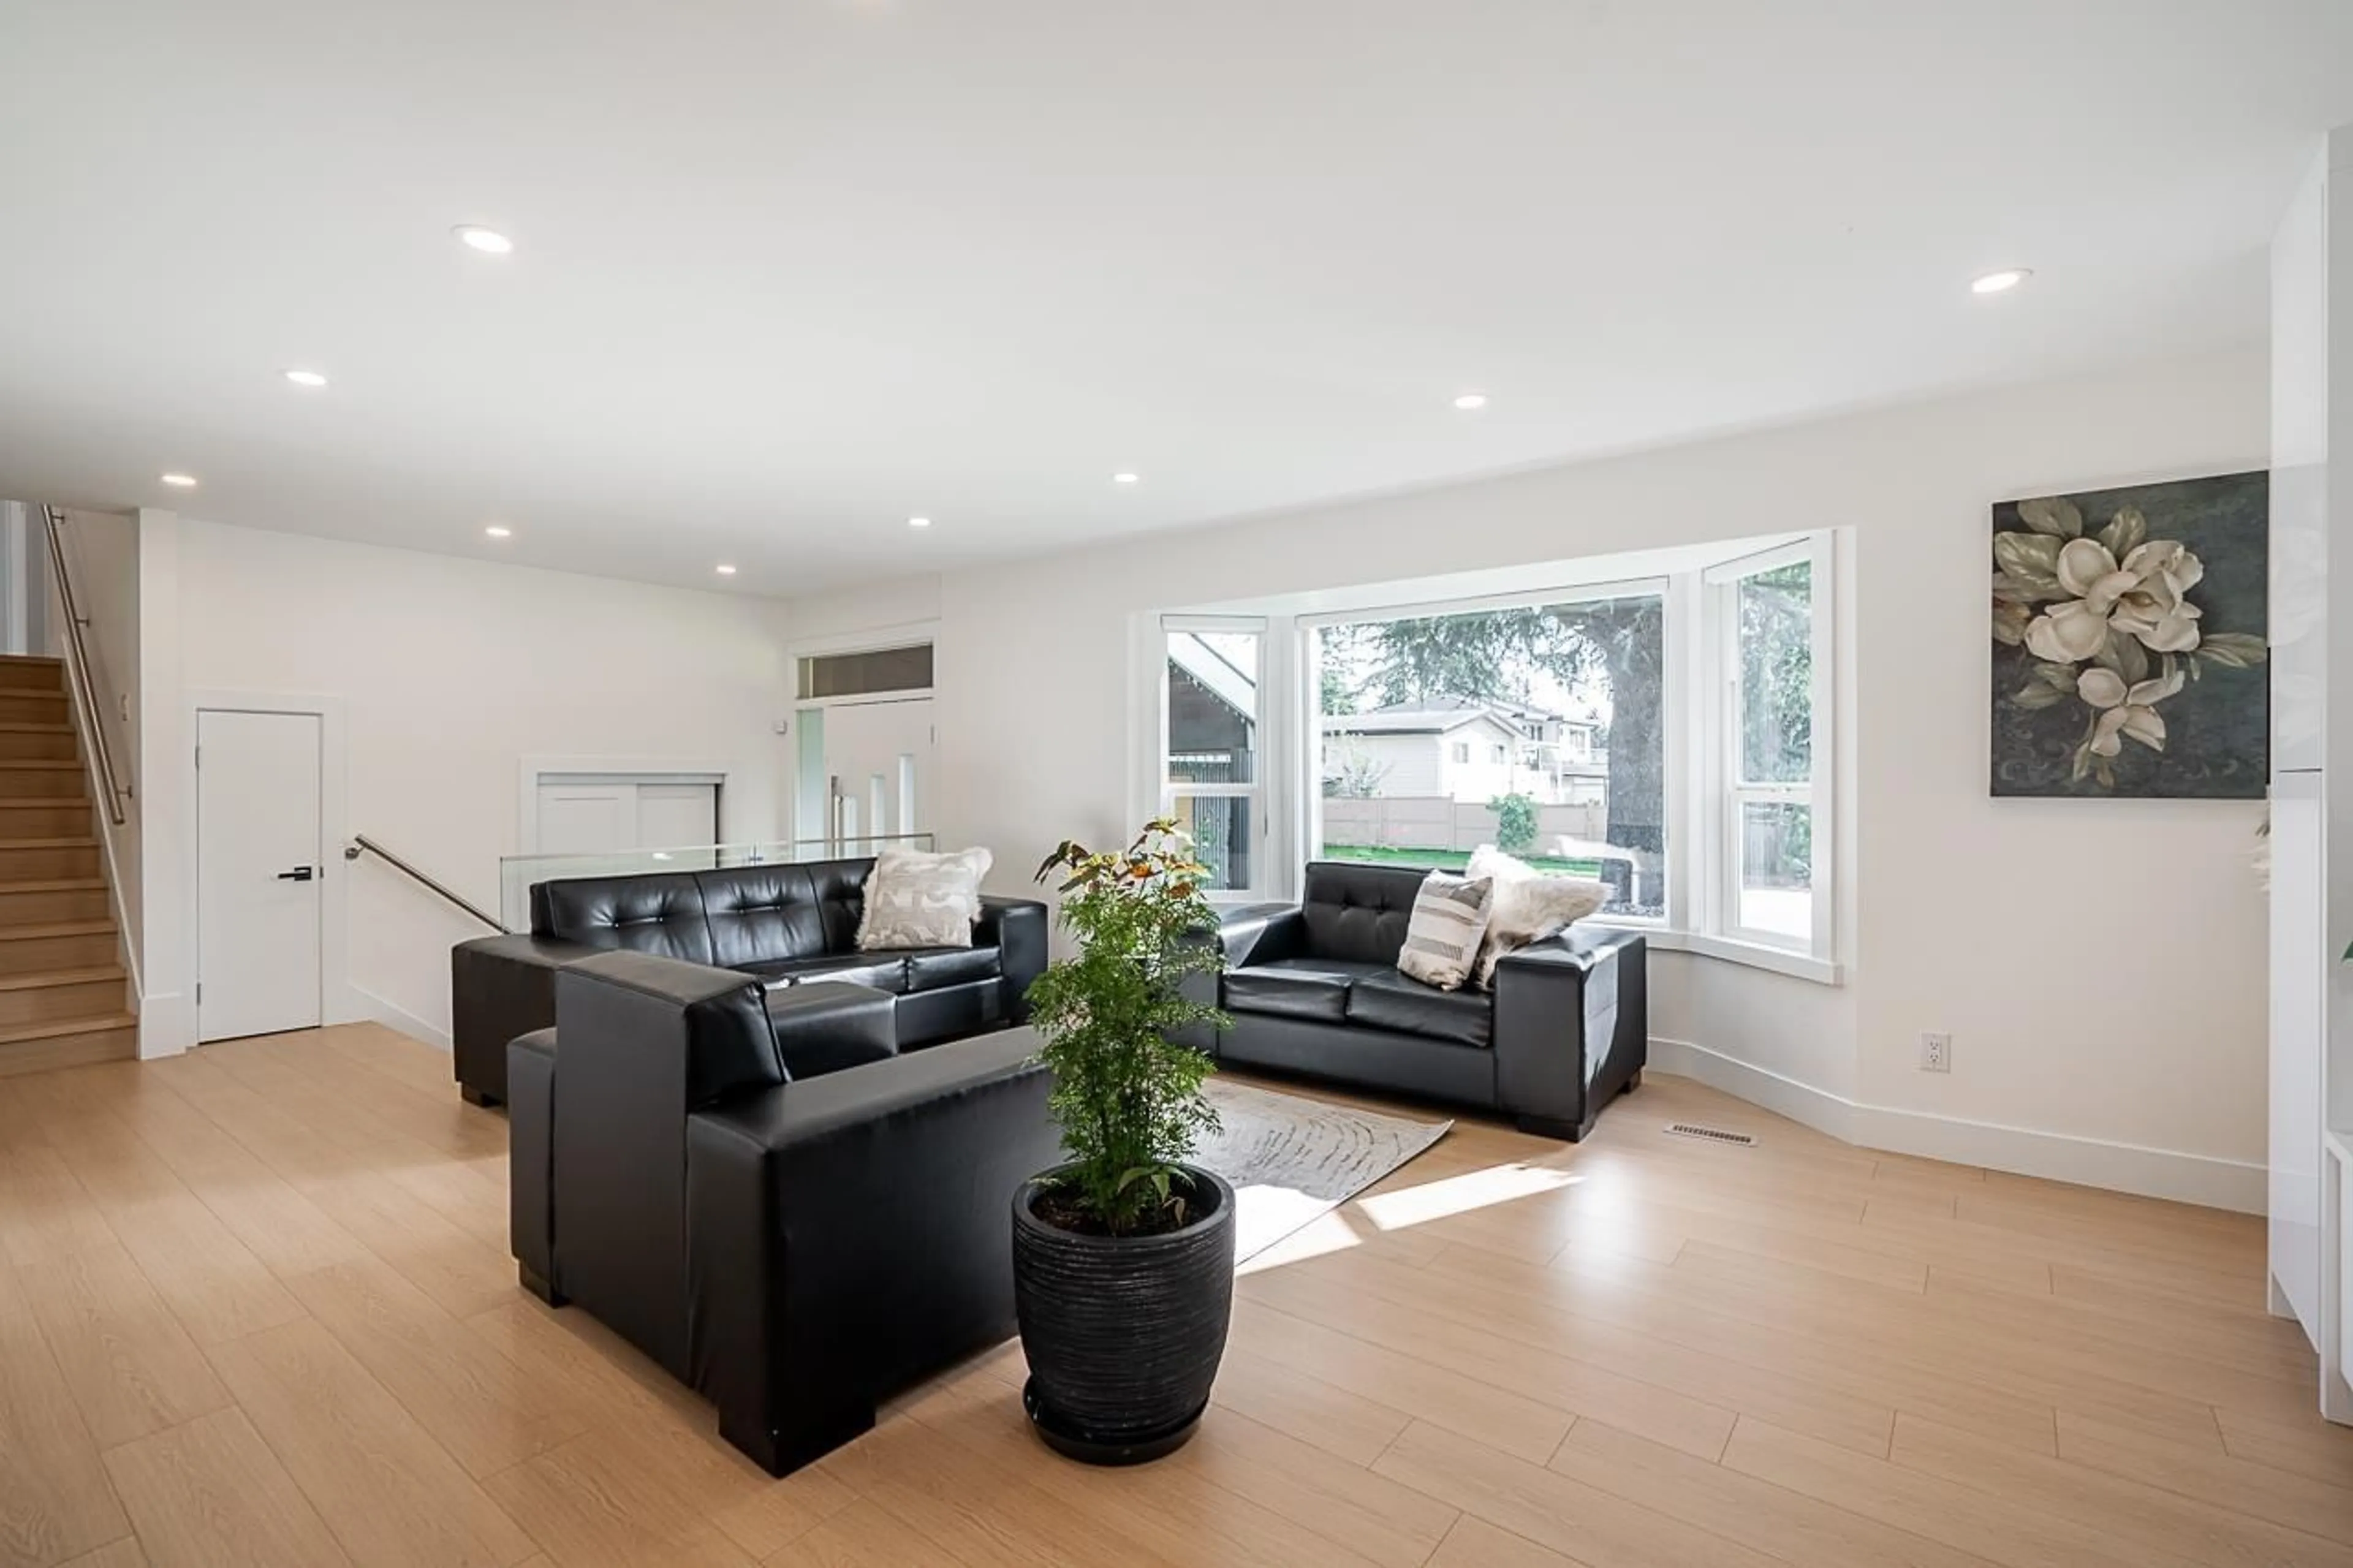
point(1936, 1053)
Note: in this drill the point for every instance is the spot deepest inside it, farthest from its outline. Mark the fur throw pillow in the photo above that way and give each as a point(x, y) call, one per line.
point(919, 899)
point(1530, 905)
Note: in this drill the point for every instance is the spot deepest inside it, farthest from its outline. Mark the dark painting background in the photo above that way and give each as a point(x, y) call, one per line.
point(2218, 729)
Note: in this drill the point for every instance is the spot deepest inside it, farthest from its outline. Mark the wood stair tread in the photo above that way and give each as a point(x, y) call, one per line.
point(27, 727)
point(54, 885)
point(32, 658)
point(15, 1034)
point(40, 930)
point(8, 843)
point(61, 977)
point(41, 764)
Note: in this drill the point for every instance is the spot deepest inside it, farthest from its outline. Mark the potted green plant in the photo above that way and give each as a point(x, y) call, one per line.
point(1124, 1254)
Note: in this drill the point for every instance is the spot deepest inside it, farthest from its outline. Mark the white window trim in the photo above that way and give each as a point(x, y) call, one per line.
point(1724, 793)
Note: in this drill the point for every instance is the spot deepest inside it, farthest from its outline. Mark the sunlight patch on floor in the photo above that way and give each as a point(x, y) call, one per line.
point(1319, 1237)
point(1462, 1194)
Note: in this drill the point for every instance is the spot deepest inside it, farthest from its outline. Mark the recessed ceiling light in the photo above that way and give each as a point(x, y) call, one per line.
point(499, 531)
point(724, 569)
point(919, 522)
point(1472, 402)
point(488, 241)
point(1126, 478)
point(306, 378)
point(2001, 282)
point(181, 481)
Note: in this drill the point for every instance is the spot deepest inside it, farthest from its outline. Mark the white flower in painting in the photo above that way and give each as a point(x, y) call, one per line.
point(2125, 709)
point(2156, 608)
point(2078, 628)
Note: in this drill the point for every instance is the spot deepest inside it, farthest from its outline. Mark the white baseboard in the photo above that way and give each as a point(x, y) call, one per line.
point(2238, 1185)
point(394, 1016)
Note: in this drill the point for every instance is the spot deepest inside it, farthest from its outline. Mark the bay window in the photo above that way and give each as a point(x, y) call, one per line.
point(1664, 728)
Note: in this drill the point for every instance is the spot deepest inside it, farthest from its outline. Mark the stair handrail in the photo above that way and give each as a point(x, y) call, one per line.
point(362, 844)
point(112, 785)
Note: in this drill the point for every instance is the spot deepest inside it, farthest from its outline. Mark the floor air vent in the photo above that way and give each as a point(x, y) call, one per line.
point(1711, 1134)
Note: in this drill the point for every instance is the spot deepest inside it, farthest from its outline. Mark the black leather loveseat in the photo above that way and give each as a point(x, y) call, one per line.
point(764, 1196)
point(1313, 988)
point(784, 924)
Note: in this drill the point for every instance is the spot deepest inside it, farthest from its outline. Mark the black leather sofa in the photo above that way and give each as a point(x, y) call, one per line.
point(764, 1196)
point(1313, 988)
point(784, 924)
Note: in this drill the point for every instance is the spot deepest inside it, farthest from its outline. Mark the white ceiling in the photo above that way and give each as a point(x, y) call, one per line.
point(789, 271)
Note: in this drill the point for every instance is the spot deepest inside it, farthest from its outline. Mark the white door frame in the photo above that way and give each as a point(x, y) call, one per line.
point(338, 1002)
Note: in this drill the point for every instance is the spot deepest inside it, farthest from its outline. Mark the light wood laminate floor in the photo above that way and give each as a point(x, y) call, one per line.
point(256, 1308)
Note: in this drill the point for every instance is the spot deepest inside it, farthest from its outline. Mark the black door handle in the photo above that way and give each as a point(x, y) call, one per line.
point(300, 874)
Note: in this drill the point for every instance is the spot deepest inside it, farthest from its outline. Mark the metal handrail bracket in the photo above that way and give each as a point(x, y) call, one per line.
point(362, 844)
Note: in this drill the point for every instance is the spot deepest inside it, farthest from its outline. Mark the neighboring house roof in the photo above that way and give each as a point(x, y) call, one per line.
point(1443, 715)
point(1416, 721)
point(1213, 674)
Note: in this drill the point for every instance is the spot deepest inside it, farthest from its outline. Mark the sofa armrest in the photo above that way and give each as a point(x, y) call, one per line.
point(500, 987)
point(1018, 928)
point(828, 1026)
point(852, 1233)
point(1571, 1025)
point(1260, 933)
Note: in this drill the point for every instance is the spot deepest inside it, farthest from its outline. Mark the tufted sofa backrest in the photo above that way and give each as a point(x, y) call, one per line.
point(742, 915)
point(1358, 913)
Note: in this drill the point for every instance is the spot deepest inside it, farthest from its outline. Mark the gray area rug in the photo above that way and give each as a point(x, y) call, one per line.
point(1293, 1160)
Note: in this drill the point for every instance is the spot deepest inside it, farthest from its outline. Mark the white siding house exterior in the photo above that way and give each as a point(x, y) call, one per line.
point(1461, 750)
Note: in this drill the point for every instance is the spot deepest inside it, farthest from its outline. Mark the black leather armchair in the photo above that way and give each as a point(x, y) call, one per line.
point(794, 1246)
point(787, 924)
point(1313, 988)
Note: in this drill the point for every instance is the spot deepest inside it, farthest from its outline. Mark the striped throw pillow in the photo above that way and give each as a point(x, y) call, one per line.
point(1450, 918)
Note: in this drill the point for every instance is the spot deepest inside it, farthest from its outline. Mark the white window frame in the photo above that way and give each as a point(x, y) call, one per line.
point(1271, 755)
point(1725, 793)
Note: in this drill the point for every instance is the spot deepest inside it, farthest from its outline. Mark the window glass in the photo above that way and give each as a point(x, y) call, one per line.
point(1580, 787)
point(1776, 614)
point(1220, 827)
point(1776, 851)
point(1213, 706)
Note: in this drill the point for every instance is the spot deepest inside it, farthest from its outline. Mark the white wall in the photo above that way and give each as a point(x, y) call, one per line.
point(2099, 964)
point(448, 673)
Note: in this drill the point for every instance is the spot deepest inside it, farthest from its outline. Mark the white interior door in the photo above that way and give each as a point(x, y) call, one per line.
point(259, 873)
point(878, 762)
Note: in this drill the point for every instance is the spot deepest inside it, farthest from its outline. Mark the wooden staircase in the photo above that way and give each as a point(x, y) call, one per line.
point(63, 997)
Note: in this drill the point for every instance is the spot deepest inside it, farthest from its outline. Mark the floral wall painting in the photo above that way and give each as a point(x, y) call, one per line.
point(2128, 642)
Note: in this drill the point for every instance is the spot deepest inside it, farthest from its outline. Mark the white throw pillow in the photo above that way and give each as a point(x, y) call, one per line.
point(919, 899)
point(1441, 941)
point(1530, 905)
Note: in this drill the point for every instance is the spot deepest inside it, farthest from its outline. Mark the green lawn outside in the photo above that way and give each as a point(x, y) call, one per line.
point(1447, 859)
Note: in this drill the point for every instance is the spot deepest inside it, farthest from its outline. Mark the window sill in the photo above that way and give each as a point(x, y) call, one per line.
point(1753, 954)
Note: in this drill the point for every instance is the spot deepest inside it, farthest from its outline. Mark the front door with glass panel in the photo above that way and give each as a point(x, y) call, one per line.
point(863, 767)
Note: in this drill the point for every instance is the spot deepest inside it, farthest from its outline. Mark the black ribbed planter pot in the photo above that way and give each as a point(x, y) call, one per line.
point(1124, 1333)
